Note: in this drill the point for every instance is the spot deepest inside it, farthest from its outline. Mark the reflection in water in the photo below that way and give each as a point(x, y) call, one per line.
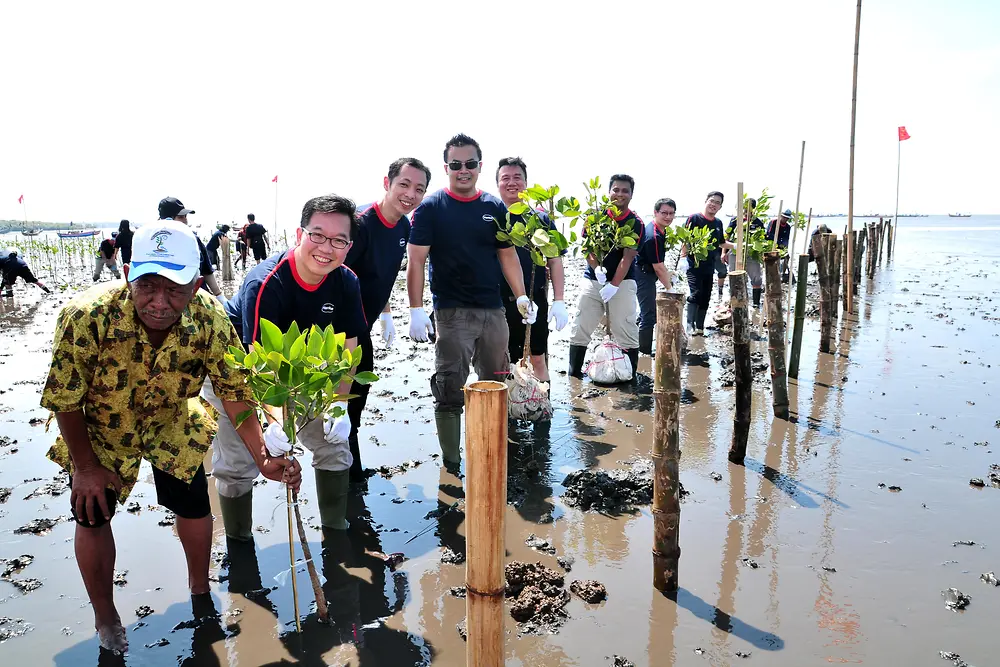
point(731, 554)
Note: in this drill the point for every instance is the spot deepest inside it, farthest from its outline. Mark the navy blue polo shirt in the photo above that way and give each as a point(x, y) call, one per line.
point(653, 249)
point(215, 241)
point(13, 268)
point(462, 235)
point(699, 220)
point(614, 258)
point(375, 257)
point(541, 272)
point(273, 290)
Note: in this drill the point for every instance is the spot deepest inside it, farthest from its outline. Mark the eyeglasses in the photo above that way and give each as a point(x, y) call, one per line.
point(320, 239)
point(455, 165)
point(715, 202)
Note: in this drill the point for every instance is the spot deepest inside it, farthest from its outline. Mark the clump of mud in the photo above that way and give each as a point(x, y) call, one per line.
point(4, 495)
point(955, 599)
point(15, 565)
point(58, 486)
point(621, 661)
point(612, 491)
point(452, 557)
point(37, 526)
point(758, 366)
point(538, 597)
point(589, 590)
point(12, 627)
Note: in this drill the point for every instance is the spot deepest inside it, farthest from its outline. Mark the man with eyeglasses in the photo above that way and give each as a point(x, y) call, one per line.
point(307, 284)
point(171, 208)
point(456, 228)
point(375, 256)
point(700, 277)
point(128, 361)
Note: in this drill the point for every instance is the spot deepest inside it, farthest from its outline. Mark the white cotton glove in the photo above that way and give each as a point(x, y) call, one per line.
point(558, 313)
point(337, 430)
point(421, 327)
point(601, 274)
point(276, 441)
point(528, 309)
point(608, 292)
point(388, 329)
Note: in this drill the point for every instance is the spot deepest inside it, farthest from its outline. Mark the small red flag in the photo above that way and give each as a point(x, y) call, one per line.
point(274, 180)
point(20, 200)
point(903, 134)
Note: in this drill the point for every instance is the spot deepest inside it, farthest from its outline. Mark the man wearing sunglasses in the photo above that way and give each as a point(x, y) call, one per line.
point(456, 228)
point(375, 256)
point(307, 284)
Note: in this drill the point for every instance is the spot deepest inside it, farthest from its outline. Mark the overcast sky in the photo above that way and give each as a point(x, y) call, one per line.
point(110, 106)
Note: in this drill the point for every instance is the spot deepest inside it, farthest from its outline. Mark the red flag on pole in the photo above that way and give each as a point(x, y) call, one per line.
point(903, 134)
point(274, 180)
point(20, 200)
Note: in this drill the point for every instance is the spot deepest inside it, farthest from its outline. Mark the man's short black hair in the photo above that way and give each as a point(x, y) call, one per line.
point(224, 229)
point(666, 201)
point(512, 162)
point(331, 204)
point(396, 167)
point(752, 203)
point(622, 178)
point(462, 140)
point(715, 193)
point(250, 217)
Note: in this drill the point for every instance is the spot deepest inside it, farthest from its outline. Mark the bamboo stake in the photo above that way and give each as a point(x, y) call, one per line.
point(740, 214)
point(775, 333)
point(881, 240)
point(777, 221)
point(666, 442)
point(854, 117)
point(861, 245)
point(741, 364)
point(800, 316)
point(227, 259)
point(821, 251)
point(888, 244)
point(486, 503)
point(837, 251)
point(291, 558)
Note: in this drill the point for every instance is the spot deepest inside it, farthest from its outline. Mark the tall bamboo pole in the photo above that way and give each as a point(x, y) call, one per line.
point(739, 226)
point(800, 316)
point(486, 503)
point(821, 244)
point(895, 216)
point(741, 364)
point(666, 442)
point(854, 116)
point(775, 334)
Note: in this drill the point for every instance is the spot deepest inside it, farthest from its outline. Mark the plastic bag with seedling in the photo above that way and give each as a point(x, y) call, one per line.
point(301, 374)
point(524, 227)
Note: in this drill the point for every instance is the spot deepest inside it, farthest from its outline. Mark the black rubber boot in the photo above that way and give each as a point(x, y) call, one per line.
point(646, 341)
point(700, 321)
point(756, 296)
point(720, 290)
point(577, 355)
point(633, 356)
point(692, 316)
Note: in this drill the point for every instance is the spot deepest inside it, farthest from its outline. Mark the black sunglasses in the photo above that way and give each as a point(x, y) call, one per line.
point(455, 165)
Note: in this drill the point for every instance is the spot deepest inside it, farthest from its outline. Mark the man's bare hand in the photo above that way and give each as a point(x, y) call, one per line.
point(286, 471)
point(88, 496)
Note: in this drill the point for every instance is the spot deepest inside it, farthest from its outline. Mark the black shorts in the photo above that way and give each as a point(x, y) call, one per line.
point(188, 501)
point(539, 344)
point(259, 251)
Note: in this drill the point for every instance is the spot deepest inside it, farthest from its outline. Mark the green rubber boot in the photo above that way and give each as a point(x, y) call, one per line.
point(237, 516)
point(331, 496)
point(449, 428)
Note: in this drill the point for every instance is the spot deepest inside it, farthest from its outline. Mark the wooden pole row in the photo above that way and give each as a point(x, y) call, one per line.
point(741, 364)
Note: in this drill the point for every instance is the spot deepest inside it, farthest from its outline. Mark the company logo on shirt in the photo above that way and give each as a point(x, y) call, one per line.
point(402, 242)
point(488, 218)
point(327, 308)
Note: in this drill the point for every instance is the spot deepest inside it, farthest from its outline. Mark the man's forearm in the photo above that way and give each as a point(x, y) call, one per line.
point(663, 274)
point(249, 431)
point(558, 277)
point(511, 267)
point(415, 283)
point(623, 266)
point(213, 284)
point(73, 427)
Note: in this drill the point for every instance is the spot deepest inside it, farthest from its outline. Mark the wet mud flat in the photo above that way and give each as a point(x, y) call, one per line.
point(798, 557)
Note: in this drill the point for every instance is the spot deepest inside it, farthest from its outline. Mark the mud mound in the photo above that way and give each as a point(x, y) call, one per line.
point(612, 491)
point(589, 590)
point(537, 595)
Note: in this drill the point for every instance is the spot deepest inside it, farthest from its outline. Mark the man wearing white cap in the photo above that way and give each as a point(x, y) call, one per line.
point(128, 362)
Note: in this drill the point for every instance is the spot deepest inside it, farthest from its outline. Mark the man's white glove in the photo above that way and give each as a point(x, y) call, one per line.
point(558, 313)
point(601, 274)
point(337, 430)
point(388, 329)
point(421, 328)
point(608, 292)
point(528, 309)
point(276, 441)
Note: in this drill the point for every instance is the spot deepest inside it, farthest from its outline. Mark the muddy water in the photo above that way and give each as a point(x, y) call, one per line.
point(847, 572)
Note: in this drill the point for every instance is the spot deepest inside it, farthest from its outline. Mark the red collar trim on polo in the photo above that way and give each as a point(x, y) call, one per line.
point(461, 198)
point(378, 212)
point(298, 278)
point(626, 213)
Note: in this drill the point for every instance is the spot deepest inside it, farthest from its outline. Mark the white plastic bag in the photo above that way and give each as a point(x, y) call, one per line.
point(527, 397)
point(609, 364)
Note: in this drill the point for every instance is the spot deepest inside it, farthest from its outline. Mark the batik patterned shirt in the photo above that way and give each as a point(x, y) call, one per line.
point(140, 402)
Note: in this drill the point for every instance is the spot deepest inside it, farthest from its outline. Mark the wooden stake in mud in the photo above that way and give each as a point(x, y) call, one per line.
point(881, 240)
point(888, 243)
point(861, 254)
point(741, 364)
point(775, 333)
point(227, 260)
point(666, 442)
point(739, 226)
point(800, 316)
point(873, 243)
point(485, 505)
point(836, 261)
point(821, 244)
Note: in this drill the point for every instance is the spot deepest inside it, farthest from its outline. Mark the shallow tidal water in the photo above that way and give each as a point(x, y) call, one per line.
point(848, 572)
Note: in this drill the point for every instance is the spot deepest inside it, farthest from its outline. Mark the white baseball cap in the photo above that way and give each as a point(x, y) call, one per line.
point(165, 248)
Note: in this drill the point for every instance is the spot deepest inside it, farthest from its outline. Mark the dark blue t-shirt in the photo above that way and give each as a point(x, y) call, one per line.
point(541, 272)
point(614, 258)
point(215, 241)
point(462, 234)
point(375, 257)
point(13, 268)
point(698, 220)
point(273, 290)
point(653, 249)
